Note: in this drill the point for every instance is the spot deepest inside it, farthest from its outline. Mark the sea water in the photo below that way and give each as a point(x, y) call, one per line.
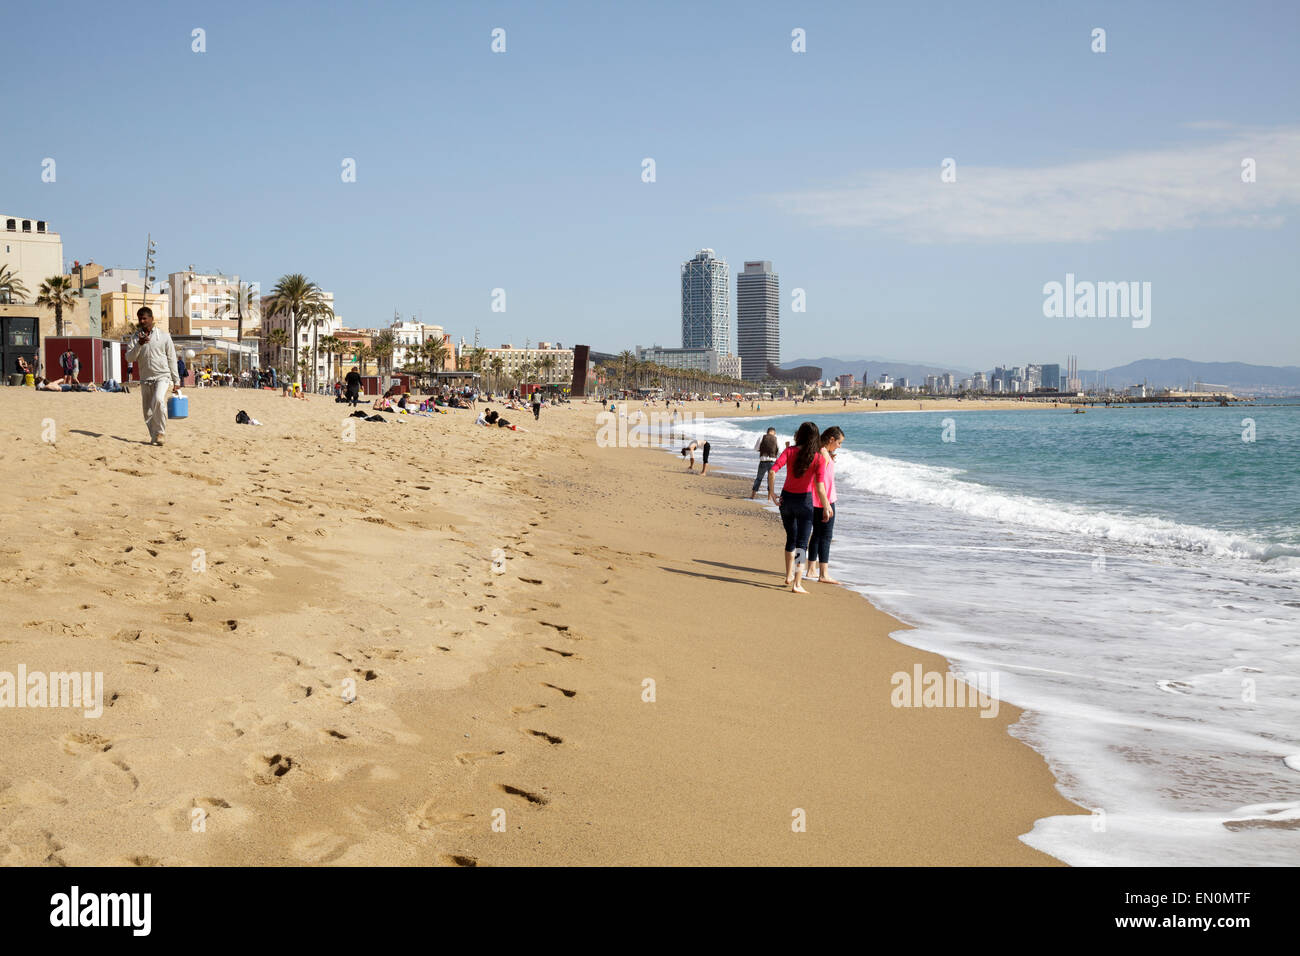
point(1133, 577)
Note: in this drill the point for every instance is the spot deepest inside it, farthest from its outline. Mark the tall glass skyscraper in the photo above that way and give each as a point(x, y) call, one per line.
point(706, 303)
point(758, 311)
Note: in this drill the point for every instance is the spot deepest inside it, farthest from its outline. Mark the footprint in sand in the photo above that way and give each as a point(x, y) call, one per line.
point(565, 692)
point(432, 816)
point(224, 731)
point(459, 859)
point(115, 778)
point(543, 735)
point(267, 769)
point(319, 846)
point(526, 708)
point(535, 799)
point(470, 757)
point(79, 744)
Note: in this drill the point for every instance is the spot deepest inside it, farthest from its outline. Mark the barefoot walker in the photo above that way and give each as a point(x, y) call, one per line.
point(155, 356)
point(807, 470)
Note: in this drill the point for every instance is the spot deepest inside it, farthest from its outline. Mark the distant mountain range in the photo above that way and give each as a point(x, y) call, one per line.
point(1158, 373)
point(1236, 376)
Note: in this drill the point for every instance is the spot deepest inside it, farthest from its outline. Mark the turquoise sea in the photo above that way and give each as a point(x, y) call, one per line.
point(1132, 574)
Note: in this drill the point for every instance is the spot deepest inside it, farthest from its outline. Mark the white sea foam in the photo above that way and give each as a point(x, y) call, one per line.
point(943, 487)
point(1162, 685)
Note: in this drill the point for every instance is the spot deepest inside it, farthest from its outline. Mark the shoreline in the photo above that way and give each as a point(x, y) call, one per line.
point(515, 698)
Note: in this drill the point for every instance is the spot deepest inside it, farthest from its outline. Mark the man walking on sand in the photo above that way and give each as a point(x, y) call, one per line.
point(155, 357)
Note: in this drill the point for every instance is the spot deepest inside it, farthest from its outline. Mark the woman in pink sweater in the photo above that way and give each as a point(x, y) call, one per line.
point(807, 468)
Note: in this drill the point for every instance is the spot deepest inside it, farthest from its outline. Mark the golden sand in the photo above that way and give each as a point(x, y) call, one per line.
point(237, 586)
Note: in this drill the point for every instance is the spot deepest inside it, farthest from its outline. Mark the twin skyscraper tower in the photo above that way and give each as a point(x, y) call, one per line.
point(706, 312)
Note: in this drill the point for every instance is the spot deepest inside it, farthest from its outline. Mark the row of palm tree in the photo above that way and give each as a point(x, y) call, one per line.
point(624, 371)
point(493, 369)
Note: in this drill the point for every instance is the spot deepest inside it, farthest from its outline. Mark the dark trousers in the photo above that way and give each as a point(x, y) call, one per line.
point(763, 468)
point(352, 397)
point(796, 515)
point(537, 413)
point(819, 544)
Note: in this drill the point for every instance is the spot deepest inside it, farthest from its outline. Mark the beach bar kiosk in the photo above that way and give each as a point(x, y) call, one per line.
point(17, 341)
point(100, 358)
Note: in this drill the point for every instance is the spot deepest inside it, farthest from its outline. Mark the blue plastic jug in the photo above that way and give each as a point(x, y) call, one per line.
point(178, 406)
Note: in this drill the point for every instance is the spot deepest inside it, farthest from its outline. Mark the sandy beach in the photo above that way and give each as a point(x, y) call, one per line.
point(437, 644)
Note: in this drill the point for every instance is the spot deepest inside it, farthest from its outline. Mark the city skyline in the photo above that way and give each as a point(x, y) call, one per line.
point(1116, 167)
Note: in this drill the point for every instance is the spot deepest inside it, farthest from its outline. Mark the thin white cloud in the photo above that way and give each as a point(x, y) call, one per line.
point(1165, 189)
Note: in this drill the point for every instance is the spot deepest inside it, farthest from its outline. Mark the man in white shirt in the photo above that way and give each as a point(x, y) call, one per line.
point(155, 356)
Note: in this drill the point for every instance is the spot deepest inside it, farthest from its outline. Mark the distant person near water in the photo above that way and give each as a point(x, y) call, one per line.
point(155, 355)
point(767, 449)
point(690, 450)
point(807, 472)
point(819, 544)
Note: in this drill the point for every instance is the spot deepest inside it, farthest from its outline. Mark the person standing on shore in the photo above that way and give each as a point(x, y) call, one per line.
point(353, 384)
point(537, 405)
point(767, 449)
point(819, 544)
point(807, 470)
point(155, 356)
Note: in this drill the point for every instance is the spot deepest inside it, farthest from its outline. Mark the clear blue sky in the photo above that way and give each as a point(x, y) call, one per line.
point(522, 170)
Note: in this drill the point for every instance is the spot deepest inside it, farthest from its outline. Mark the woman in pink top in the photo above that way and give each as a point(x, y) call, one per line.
point(819, 545)
point(807, 467)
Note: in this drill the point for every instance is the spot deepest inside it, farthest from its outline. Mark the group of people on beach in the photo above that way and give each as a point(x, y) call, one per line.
point(807, 499)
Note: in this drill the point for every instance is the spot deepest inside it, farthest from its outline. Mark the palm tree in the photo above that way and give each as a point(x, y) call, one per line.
point(294, 294)
point(498, 365)
point(11, 286)
point(241, 300)
point(362, 354)
point(278, 339)
point(384, 346)
point(333, 347)
point(547, 365)
point(317, 315)
point(56, 291)
point(435, 353)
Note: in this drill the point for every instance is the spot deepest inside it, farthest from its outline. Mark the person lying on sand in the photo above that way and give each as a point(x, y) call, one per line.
point(493, 418)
